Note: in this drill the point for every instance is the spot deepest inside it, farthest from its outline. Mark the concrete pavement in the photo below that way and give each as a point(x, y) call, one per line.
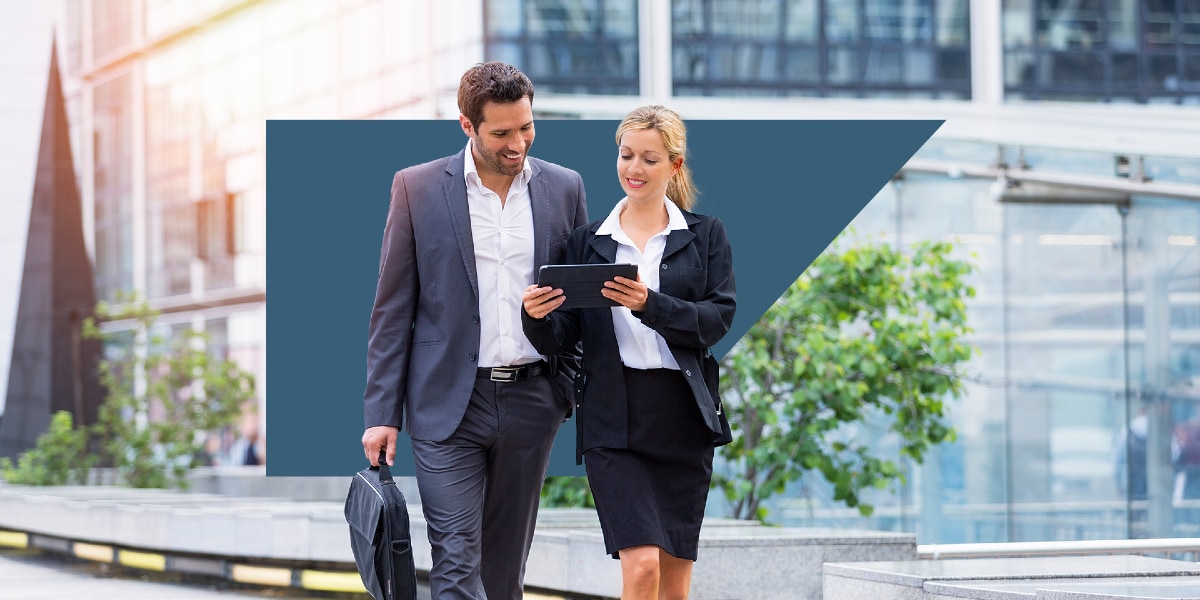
point(30, 575)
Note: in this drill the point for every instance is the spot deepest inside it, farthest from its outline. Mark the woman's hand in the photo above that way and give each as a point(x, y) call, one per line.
point(627, 292)
point(541, 301)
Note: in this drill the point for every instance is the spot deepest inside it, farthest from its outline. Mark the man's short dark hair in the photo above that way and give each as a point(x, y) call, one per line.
point(490, 82)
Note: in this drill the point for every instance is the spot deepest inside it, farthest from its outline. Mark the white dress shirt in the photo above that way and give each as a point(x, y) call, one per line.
point(640, 346)
point(503, 237)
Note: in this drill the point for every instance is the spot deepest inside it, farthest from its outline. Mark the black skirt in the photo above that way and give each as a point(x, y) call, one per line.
point(654, 491)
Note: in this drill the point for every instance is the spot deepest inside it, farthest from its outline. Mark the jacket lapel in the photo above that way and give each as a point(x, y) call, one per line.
point(680, 238)
point(455, 188)
point(604, 245)
point(539, 204)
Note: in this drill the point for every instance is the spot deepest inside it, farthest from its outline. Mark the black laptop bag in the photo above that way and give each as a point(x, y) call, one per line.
point(379, 534)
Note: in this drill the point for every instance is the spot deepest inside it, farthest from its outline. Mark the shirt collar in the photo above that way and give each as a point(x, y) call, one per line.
point(612, 224)
point(471, 172)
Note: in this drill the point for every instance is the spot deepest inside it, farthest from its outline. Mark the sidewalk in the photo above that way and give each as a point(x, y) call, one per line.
point(27, 575)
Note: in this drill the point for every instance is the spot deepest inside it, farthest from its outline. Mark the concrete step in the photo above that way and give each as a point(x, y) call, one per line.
point(1048, 578)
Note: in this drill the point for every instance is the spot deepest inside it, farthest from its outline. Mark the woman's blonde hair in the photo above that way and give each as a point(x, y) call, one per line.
point(680, 189)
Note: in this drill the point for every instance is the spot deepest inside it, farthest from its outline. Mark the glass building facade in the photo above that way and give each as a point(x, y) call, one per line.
point(1106, 50)
point(1085, 391)
point(1089, 50)
point(916, 49)
point(1081, 401)
point(168, 104)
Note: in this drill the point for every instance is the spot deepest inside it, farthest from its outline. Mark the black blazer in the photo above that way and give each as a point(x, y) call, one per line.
point(692, 311)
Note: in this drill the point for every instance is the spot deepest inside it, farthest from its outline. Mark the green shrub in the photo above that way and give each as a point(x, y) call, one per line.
point(59, 457)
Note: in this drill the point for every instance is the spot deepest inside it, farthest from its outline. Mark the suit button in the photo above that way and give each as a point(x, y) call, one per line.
point(664, 267)
point(471, 357)
point(688, 372)
point(475, 319)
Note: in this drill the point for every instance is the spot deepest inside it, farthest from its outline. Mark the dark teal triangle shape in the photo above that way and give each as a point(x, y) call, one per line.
point(784, 189)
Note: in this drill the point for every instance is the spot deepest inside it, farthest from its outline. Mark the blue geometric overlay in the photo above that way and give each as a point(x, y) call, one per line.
point(784, 189)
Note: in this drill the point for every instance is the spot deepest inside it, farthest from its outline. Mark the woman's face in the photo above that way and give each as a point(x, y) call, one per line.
point(643, 165)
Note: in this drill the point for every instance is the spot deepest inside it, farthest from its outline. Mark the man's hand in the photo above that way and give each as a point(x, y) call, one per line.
point(380, 436)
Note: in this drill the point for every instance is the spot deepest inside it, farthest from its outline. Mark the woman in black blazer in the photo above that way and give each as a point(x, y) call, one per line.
point(648, 413)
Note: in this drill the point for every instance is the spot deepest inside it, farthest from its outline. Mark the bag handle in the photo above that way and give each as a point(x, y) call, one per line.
point(385, 472)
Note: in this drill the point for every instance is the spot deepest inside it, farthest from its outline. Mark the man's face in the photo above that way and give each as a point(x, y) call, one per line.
point(503, 137)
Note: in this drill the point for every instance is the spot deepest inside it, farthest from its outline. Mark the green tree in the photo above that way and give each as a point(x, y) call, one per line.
point(162, 396)
point(59, 457)
point(567, 492)
point(865, 333)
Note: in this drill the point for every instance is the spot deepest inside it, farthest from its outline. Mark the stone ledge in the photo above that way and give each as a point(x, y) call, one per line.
point(1110, 588)
point(916, 573)
point(1007, 578)
point(738, 559)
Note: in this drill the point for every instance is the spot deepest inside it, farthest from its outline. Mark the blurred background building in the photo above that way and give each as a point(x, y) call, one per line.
point(1068, 170)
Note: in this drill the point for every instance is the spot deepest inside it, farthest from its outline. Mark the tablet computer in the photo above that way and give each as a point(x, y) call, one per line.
point(581, 284)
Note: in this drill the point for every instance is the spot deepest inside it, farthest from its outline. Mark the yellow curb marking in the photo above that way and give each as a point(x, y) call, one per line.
point(262, 575)
point(330, 581)
point(14, 539)
point(96, 552)
point(142, 560)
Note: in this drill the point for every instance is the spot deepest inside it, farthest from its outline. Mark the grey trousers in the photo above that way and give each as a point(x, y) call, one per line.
point(480, 488)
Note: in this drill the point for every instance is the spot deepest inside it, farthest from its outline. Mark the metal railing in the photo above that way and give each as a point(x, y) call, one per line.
point(1178, 548)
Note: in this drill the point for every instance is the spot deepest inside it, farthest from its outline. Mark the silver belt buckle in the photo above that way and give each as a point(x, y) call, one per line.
point(504, 373)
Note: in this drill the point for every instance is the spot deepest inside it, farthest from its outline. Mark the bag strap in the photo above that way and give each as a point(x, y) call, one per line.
point(389, 563)
point(385, 472)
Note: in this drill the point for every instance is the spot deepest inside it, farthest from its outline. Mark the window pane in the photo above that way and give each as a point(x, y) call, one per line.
point(889, 20)
point(1102, 49)
point(802, 65)
point(953, 22)
point(801, 20)
point(503, 17)
point(112, 181)
point(749, 19)
point(620, 19)
point(822, 48)
point(568, 47)
point(841, 21)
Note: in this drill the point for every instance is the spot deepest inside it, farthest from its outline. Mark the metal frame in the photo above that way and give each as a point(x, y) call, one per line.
point(1084, 182)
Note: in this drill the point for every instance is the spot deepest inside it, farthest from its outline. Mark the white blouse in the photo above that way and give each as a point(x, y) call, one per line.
point(640, 346)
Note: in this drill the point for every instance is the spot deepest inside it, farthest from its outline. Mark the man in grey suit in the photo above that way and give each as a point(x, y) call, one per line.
point(447, 356)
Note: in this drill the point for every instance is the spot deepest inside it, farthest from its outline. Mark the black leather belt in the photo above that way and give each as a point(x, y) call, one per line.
point(516, 373)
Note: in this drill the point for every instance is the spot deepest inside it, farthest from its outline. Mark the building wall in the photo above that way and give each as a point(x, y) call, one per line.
point(25, 42)
point(169, 103)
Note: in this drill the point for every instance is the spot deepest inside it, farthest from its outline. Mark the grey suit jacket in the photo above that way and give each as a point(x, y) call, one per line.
point(423, 348)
